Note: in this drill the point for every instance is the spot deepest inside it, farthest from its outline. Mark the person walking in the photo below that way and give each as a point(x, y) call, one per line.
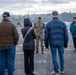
point(28, 46)
point(73, 32)
point(8, 40)
point(56, 35)
point(39, 26)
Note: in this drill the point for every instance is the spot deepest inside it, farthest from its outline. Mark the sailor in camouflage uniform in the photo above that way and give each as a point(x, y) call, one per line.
point(39, 26)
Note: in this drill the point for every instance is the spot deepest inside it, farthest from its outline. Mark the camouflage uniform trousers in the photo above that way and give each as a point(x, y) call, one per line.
point(39, 38)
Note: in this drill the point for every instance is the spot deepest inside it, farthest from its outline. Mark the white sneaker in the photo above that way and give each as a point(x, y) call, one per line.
point(6, 70)
point(62, 72)
point(55, 73)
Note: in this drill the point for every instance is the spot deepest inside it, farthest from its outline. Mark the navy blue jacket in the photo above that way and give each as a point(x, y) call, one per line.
point(29, 43)
point(56, 33)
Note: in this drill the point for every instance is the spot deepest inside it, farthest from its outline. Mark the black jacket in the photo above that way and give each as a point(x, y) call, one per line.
point(28, 43)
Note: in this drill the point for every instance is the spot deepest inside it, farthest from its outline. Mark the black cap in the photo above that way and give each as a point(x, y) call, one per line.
point(54, 13)
point(6, 14)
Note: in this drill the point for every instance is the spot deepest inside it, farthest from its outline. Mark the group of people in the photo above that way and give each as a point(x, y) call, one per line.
point(54, 34)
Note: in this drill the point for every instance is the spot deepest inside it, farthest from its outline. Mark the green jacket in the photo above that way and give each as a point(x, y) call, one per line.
point(39, 28)
point(8, 34)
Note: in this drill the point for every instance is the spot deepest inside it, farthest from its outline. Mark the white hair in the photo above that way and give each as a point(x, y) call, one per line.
point(6, 18)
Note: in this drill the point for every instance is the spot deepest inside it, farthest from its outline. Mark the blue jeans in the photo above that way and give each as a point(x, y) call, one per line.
point(7, 53)
point(54, 57)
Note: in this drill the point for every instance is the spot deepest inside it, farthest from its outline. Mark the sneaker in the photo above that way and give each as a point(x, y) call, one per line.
point(55, 73)
point(62, 72)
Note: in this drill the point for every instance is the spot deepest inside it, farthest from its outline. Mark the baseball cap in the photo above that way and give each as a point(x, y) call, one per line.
point(6, 14)
point(55, 13)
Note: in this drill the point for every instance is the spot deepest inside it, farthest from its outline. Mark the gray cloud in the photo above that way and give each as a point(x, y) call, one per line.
point(24, 5)
point(16, 1)
point(54, 1)
point(33, 1)
point(58, 1)
point(16, 4)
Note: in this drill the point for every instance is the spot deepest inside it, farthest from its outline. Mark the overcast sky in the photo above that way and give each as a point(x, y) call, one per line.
point(37, 6)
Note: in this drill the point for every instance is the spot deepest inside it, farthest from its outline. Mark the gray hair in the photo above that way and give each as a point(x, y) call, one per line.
point(6, 18)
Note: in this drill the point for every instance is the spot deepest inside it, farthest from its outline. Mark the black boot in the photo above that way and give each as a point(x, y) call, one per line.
point(42, 51)
point(37, 50)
